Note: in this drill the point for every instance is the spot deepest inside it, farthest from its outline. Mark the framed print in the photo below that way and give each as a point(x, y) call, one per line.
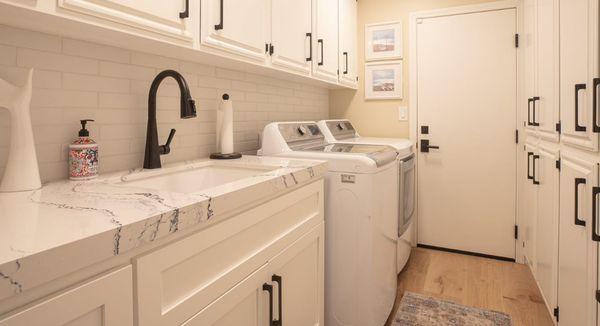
point(383, 41)
point(383, 80)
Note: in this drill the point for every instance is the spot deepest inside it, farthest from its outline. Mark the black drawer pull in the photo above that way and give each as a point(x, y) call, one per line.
point(269, 288)
point(529, 101)
point(309, 35)
point(535, 158)
point(346, 70)
point(595, 106)
point(534, 122)
point(529, 155)
point(277, 279)
point(578, 181)
point(595, 235)
point(578, 87)
point(219, 26)
point(186, 12)
point(320, 41)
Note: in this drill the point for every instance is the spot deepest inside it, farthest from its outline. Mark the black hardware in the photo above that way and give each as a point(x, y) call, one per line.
point(534, 122)
point(516, 40)
point(266, 47)
point(596, 127)
point(320, 41)
point(271, 49)
point(529, 123)
point(558, 164)
point(269, 289)
point(309, 35)
point(220, 24)
point(425, 146)
point(277, 279)
point(187, 110)
point(578, 87)
point(597, 296)
point(529, 155)
point(517, 136)
point(425, 130)
point(516, 232)
point(186, 12)
point(558, 127)
point(556, 313)
point(166, 148)
point(595, 235)
point(578, 181)
point(346, 70)
point(535, 158)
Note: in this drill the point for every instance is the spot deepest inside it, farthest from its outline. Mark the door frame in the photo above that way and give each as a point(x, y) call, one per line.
point(414, 18)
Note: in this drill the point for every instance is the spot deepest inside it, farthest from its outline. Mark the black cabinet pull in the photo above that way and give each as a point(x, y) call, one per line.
point(578, 87)
point(220, 24)
point(186, 12)
point(320, 41)
point(277, 279)
point(595, 235)
point(534, 122)
point(535, 158)
point(529, 155)
point(529, 123)
point(595, 106)
point(309, 35)
point(346, 55)
point(269, 288)
point(578, 181)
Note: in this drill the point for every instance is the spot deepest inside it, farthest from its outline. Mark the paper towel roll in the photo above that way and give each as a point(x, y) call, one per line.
point(225, 126)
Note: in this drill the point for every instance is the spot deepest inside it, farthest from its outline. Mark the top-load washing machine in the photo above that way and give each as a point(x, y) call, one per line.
point(342, 131)
point(360, 220)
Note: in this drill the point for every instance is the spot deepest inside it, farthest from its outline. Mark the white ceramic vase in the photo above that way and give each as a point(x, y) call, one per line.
point(22, 172)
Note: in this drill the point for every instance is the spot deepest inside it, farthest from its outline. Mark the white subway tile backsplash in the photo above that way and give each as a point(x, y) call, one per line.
point(76, 80)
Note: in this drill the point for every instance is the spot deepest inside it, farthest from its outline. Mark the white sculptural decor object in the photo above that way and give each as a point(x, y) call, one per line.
point(21, 173)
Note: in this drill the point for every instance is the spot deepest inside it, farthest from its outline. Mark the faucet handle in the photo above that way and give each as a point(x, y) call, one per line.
point(166, 148)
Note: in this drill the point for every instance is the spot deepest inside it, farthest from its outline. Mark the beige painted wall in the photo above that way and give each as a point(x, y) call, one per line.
point(380, 118)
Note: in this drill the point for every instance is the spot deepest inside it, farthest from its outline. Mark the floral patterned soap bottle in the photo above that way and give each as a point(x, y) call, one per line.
point(83, 155)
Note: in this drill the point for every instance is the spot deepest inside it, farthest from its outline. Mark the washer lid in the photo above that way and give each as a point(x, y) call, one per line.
point(382, 155)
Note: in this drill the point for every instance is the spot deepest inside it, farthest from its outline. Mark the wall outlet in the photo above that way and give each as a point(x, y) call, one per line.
point(402, 113)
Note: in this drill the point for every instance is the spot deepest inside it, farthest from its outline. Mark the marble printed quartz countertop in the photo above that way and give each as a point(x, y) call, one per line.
point(66, 225)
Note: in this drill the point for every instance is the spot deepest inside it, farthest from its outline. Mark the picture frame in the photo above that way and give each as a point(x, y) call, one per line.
point(383, 41)
point(383, 80)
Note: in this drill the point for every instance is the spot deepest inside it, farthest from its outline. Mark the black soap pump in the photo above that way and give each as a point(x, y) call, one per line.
point(83, 155)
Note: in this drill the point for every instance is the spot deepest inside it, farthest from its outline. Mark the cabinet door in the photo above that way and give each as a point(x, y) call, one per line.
point(348, 51)
point(579, 68)
point(104, 301)
point(528, 206)
point(577, 251)
point(546, 101)
point(291, 29)
point(527, 44)
point(240, 27)
point(161, 17)
point(546, 243)
point(244, 304)
point(325, 40)
point(298, 281)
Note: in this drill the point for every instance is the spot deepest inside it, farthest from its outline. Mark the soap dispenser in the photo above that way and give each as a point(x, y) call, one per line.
point(83, 155)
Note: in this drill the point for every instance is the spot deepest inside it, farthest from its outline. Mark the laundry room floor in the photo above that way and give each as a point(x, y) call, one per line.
point(474, 281)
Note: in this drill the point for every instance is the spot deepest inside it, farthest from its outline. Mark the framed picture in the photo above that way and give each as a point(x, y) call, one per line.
point(383, 80)
point(383, 41)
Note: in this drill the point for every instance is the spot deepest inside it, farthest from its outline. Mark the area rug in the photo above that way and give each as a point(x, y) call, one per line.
point(420, 310)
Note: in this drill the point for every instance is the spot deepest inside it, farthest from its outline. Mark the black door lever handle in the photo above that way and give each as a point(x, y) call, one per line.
point(425, 146)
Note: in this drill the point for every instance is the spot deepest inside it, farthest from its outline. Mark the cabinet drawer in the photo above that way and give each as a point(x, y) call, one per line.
point(106, 301)
point(179, 280)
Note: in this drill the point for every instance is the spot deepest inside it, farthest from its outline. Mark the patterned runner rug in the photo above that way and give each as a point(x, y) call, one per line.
point(420, 310)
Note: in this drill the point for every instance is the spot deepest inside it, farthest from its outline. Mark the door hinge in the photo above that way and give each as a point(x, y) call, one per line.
point(271, 49)
point(559, 127)
point(556, 313)
point(266, 47)
point(516, 40)
point(558, 164)
point(517, 136)
point(516, 231)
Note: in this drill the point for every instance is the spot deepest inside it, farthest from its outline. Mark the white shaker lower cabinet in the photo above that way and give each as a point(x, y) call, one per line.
point(325, 39)
point(215, 276)
point(291, 31)
point(348, 55)
point(104, 301)
point(240, 27)
point(163, 18)
point(578, 261)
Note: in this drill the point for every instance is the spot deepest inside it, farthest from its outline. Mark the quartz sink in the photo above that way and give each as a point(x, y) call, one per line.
point(193, 179)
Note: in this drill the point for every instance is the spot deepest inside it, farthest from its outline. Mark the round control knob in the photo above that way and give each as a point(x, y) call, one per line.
point(302, 130)
point(340, 126)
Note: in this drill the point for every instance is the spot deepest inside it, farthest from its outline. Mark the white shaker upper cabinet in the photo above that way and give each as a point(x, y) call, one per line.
point(167, 18)
point(237, 26)
point(579, 72)
point(325, 40)
point(292, 35)
point(348, 49)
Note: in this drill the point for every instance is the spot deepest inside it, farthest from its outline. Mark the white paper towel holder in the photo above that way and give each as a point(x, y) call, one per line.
point(220, 155)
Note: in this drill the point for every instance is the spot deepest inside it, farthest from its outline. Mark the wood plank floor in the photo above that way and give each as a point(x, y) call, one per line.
point(474, 281)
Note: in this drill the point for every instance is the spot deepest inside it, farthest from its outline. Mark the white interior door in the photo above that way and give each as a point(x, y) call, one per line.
point(467, 97)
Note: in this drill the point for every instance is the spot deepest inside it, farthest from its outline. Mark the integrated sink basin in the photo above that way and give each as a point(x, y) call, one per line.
point(193, 179)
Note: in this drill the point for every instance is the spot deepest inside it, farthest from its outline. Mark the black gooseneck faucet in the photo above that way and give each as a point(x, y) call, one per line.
point(188, 110)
